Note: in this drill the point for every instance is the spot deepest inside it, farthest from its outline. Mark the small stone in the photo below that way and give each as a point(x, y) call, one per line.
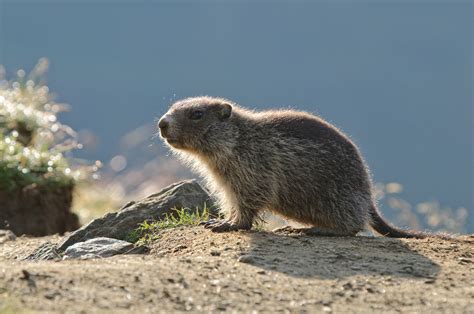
point(52, 295)
point(407, 269)
point(98, 248)
point(25, 274)
point(215, 253)
point(348, 286)
point(180, 248)
point(7, 235)
point(247, 259)
point(464, 261)
point(46, 251)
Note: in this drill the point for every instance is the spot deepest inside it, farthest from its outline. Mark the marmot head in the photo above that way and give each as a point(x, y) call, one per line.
point(197, 124)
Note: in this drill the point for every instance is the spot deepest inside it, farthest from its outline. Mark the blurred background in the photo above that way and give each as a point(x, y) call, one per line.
point(397, 76)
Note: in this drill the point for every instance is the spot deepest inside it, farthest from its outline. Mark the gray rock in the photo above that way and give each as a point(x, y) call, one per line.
point(46, 251)
point(6, 235)
point(247, 259)
point(183, 194)
point(100, 248)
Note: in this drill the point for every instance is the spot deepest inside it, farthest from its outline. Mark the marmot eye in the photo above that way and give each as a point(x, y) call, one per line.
point(196, 115)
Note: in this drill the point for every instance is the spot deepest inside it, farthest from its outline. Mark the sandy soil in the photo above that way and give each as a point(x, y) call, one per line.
point(192, 269)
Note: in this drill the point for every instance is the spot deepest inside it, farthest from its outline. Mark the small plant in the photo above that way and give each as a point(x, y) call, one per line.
point(148, 231)
point(259, 225)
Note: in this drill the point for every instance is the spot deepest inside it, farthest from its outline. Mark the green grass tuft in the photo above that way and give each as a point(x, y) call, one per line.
point(148, 232)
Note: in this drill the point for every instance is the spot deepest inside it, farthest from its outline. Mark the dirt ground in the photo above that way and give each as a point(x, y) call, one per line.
point(192, 269)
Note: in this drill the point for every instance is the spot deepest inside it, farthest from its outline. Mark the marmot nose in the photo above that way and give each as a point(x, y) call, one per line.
point(163, 123)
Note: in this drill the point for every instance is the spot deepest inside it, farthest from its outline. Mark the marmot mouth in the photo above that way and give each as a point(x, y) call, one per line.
point(172, 141)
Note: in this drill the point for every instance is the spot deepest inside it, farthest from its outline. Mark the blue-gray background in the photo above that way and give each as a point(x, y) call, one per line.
point(395, 75)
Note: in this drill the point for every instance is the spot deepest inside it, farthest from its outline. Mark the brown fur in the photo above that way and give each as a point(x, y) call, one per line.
point(289, 162)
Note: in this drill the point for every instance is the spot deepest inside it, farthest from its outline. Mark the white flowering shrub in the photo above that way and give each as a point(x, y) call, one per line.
point(34, 145)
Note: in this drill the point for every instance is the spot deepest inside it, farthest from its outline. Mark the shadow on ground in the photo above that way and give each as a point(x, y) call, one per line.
point(302, 256)
point(336, 257)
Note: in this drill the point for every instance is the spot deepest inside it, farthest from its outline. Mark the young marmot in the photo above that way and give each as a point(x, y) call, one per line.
point(288, 162)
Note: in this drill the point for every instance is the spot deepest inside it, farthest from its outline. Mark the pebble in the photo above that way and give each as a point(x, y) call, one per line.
point(248, 259)
point(98, 248)
point(6, 235)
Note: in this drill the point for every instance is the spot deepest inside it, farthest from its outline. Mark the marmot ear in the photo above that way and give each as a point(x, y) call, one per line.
point(225, 111)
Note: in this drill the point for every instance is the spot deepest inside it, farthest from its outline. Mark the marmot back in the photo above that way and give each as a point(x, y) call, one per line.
point(289, 162)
